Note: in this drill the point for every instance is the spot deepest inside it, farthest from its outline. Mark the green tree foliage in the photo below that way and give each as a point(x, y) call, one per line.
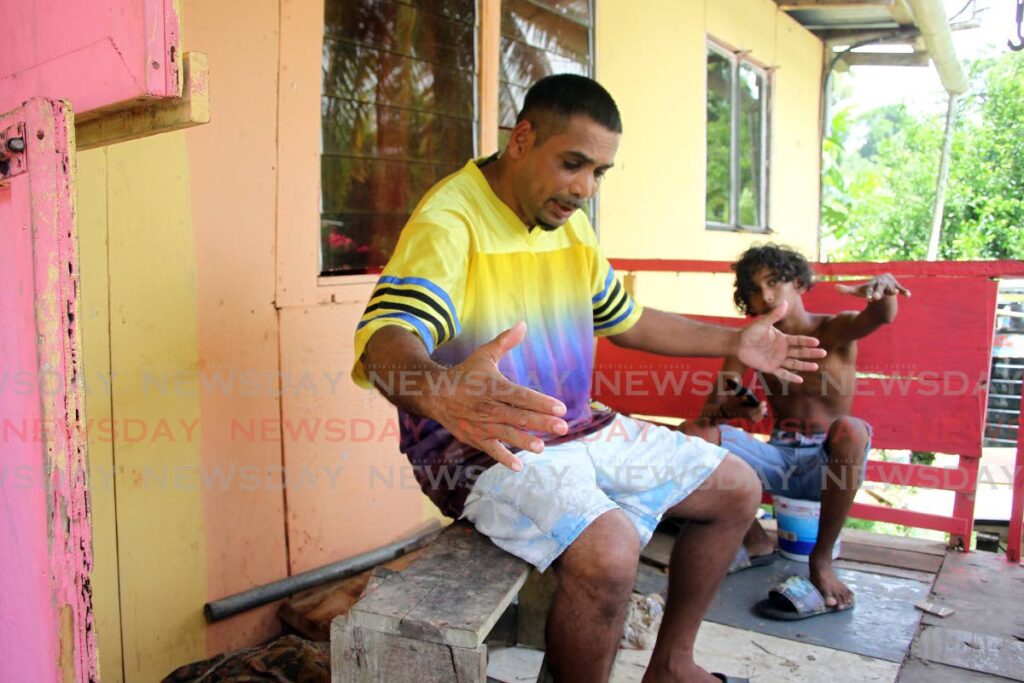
point(877, 198)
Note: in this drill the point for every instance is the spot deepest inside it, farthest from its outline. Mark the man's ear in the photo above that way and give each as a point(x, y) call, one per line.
point(521, 139)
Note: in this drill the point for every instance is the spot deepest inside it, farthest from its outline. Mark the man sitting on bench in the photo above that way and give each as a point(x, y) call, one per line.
point(817, 450)
point(495, 414)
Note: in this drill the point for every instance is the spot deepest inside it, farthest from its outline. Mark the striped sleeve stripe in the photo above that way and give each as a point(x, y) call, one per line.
point(607, 283)
point(611, 308)
point(429, 286)
point(410, 294)
point(613, 323)
point(412, 310)
point(411, 319)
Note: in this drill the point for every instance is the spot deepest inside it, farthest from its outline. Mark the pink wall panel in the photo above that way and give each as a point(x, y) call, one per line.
point(95, 53)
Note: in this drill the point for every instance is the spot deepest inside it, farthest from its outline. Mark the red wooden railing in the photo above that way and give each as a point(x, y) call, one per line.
point(922, 381)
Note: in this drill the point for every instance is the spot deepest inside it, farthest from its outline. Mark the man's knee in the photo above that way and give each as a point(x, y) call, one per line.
point(848, 440)
point(738, 485)
point(602, 561)
point(702, 428)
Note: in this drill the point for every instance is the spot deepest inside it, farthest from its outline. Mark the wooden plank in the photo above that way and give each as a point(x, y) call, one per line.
point(890, 557)
point(920, 671)
point(46, 534)
point(465, 616)
point(989, 654)
point(311, 612)
point(883, 570)
point(659, 551)
point(917, 545)
point(429, 599)
point(977, 586)
point(361, 655)
point(154, 116)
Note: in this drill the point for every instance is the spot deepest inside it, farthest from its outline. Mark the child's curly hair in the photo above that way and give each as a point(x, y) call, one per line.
point(787, 264)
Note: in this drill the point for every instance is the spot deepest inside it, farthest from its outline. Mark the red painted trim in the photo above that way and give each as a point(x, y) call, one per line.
point(961, 479)
point(955, 526)
point(908, 268)
point(1017, 507)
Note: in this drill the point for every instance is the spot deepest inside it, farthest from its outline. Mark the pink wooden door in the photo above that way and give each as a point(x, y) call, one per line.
point(46, 631)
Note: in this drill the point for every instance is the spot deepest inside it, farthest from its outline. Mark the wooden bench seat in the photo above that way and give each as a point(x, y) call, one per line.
point(429, 622)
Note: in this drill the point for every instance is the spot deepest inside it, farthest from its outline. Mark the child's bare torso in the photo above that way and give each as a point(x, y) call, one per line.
point(824, 395)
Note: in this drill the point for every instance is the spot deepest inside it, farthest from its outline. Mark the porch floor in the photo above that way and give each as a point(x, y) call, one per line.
point(885, 638)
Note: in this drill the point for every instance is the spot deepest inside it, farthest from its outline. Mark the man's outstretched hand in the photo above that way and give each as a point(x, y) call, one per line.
point(483, 409)
point(764, 347)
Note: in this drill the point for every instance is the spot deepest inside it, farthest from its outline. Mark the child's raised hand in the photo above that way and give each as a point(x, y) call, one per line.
point(876, 288)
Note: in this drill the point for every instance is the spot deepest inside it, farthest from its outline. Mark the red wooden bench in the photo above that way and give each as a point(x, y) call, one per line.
point(922, 382)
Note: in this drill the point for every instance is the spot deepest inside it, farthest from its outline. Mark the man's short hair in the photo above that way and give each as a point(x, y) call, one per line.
point(787, 264)
point(553, 100)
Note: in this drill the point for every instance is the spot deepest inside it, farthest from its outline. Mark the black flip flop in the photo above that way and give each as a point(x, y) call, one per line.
point(743, 560)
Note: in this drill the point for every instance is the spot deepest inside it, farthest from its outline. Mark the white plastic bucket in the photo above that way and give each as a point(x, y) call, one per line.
point(798, 527)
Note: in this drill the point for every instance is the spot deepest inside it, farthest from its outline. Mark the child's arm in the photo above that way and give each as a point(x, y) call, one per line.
point(881, 292)
point(729, 399)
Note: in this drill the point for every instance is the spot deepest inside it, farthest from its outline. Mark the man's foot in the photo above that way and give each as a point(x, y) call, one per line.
point(823, 576)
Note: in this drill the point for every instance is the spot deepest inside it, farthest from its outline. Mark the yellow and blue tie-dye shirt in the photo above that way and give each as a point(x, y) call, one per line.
point(465, 269)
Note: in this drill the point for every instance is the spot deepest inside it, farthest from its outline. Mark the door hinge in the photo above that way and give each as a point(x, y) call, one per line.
point(12, 151)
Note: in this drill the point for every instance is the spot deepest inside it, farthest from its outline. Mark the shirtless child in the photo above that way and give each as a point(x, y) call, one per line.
point(817, 451)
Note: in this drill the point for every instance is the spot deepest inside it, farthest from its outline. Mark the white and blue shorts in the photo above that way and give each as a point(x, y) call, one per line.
point(638, 467)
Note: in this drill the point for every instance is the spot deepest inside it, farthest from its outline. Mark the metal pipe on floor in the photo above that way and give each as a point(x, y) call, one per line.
point(262, 595)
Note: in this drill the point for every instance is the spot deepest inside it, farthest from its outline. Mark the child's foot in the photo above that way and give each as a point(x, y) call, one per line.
point(824, 578)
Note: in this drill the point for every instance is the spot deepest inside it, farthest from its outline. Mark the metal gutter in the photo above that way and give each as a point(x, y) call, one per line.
point(930, 17)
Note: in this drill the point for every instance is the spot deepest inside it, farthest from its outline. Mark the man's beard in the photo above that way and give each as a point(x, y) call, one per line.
point(547, 227)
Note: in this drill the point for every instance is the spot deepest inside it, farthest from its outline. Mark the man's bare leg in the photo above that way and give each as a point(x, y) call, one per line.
point(719, 514)
point(756, 541)
point(847, 439)
point(595, 577)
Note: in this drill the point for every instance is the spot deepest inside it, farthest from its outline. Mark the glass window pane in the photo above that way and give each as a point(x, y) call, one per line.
point(539, 38)
point(751, 145)
point(397, 114)
point(719, 134)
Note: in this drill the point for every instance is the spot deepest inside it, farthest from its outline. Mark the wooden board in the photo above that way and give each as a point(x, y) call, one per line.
point(974, 651)
point(882, 570)
point(980, 587)
point(917, 545)
point(919, 671)
point(761, 657)
point(453, 594)
point(890, 557)
point(311, 612)
point(659, 551)
point(365, 656)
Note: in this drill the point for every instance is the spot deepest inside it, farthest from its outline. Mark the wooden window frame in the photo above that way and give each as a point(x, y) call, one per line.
point(736, 59)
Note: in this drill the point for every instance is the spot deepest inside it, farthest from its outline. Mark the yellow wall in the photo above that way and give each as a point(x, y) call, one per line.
point(652, 202)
